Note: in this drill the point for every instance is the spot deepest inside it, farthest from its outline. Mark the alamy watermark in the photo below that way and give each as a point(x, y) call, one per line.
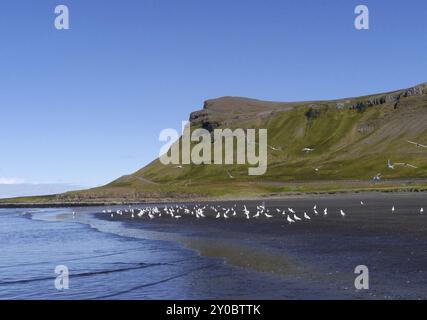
point(62, 281)
point(62, 20)
point(362, 280)
point(203, 147)
point(362, 19)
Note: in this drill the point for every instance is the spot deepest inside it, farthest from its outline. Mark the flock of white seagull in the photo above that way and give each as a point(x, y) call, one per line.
point(198, 211)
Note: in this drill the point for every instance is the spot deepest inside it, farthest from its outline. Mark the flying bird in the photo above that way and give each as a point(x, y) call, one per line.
point(377, 177)
point(229, 175)
point(404, 164)
point(419, 145)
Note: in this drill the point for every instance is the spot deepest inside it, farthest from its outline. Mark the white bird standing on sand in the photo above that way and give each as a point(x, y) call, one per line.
point(325, 212)
point(342, 213)
point(392, 209)
point(315, 210)
point(362, 203)
point(297, 218)
point(218, 215)
point(421, 210)
point(246, 212)
point(289, 219)
point(306, 216)
point(419, 145)
point(268, 215)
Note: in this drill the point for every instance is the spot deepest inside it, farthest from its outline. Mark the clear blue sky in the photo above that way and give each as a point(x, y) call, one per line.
point(85, 106)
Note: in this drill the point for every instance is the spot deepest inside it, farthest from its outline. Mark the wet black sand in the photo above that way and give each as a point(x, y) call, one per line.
point(321, 254)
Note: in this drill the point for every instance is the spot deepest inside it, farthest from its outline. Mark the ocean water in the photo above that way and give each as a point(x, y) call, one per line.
point(109, 258)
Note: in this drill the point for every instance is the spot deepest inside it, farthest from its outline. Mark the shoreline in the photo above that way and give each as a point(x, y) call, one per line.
point(12, 205)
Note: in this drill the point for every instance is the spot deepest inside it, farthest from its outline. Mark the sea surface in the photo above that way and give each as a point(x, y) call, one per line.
point(121, 257)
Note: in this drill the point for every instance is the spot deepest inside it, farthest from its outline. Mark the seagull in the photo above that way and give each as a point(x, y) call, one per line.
point(419, 145)
point(406, 165)
point(291, 210)
point(317, 168)
point(421, 210)
point(307, 150)
point(392, 209)
point(297, 218)
point(289, 219)
point(218, 215)
point(246, 212)
point(274, 148)
point(306, 216)
point(268, 215)
point(342, 213)
point(325, 212)
point(390, 164)
point(362, 203)
point(377, 177)
point(229, 175)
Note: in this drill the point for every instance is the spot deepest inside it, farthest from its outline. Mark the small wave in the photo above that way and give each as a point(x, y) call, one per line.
point(84, 274)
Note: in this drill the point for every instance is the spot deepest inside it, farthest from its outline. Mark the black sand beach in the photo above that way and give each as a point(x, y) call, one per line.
point(321, 253)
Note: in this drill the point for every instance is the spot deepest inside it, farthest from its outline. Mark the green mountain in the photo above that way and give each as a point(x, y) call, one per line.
point(352, 138)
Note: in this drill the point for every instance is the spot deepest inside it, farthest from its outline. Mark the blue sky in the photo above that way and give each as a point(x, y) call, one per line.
point(86, 105)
